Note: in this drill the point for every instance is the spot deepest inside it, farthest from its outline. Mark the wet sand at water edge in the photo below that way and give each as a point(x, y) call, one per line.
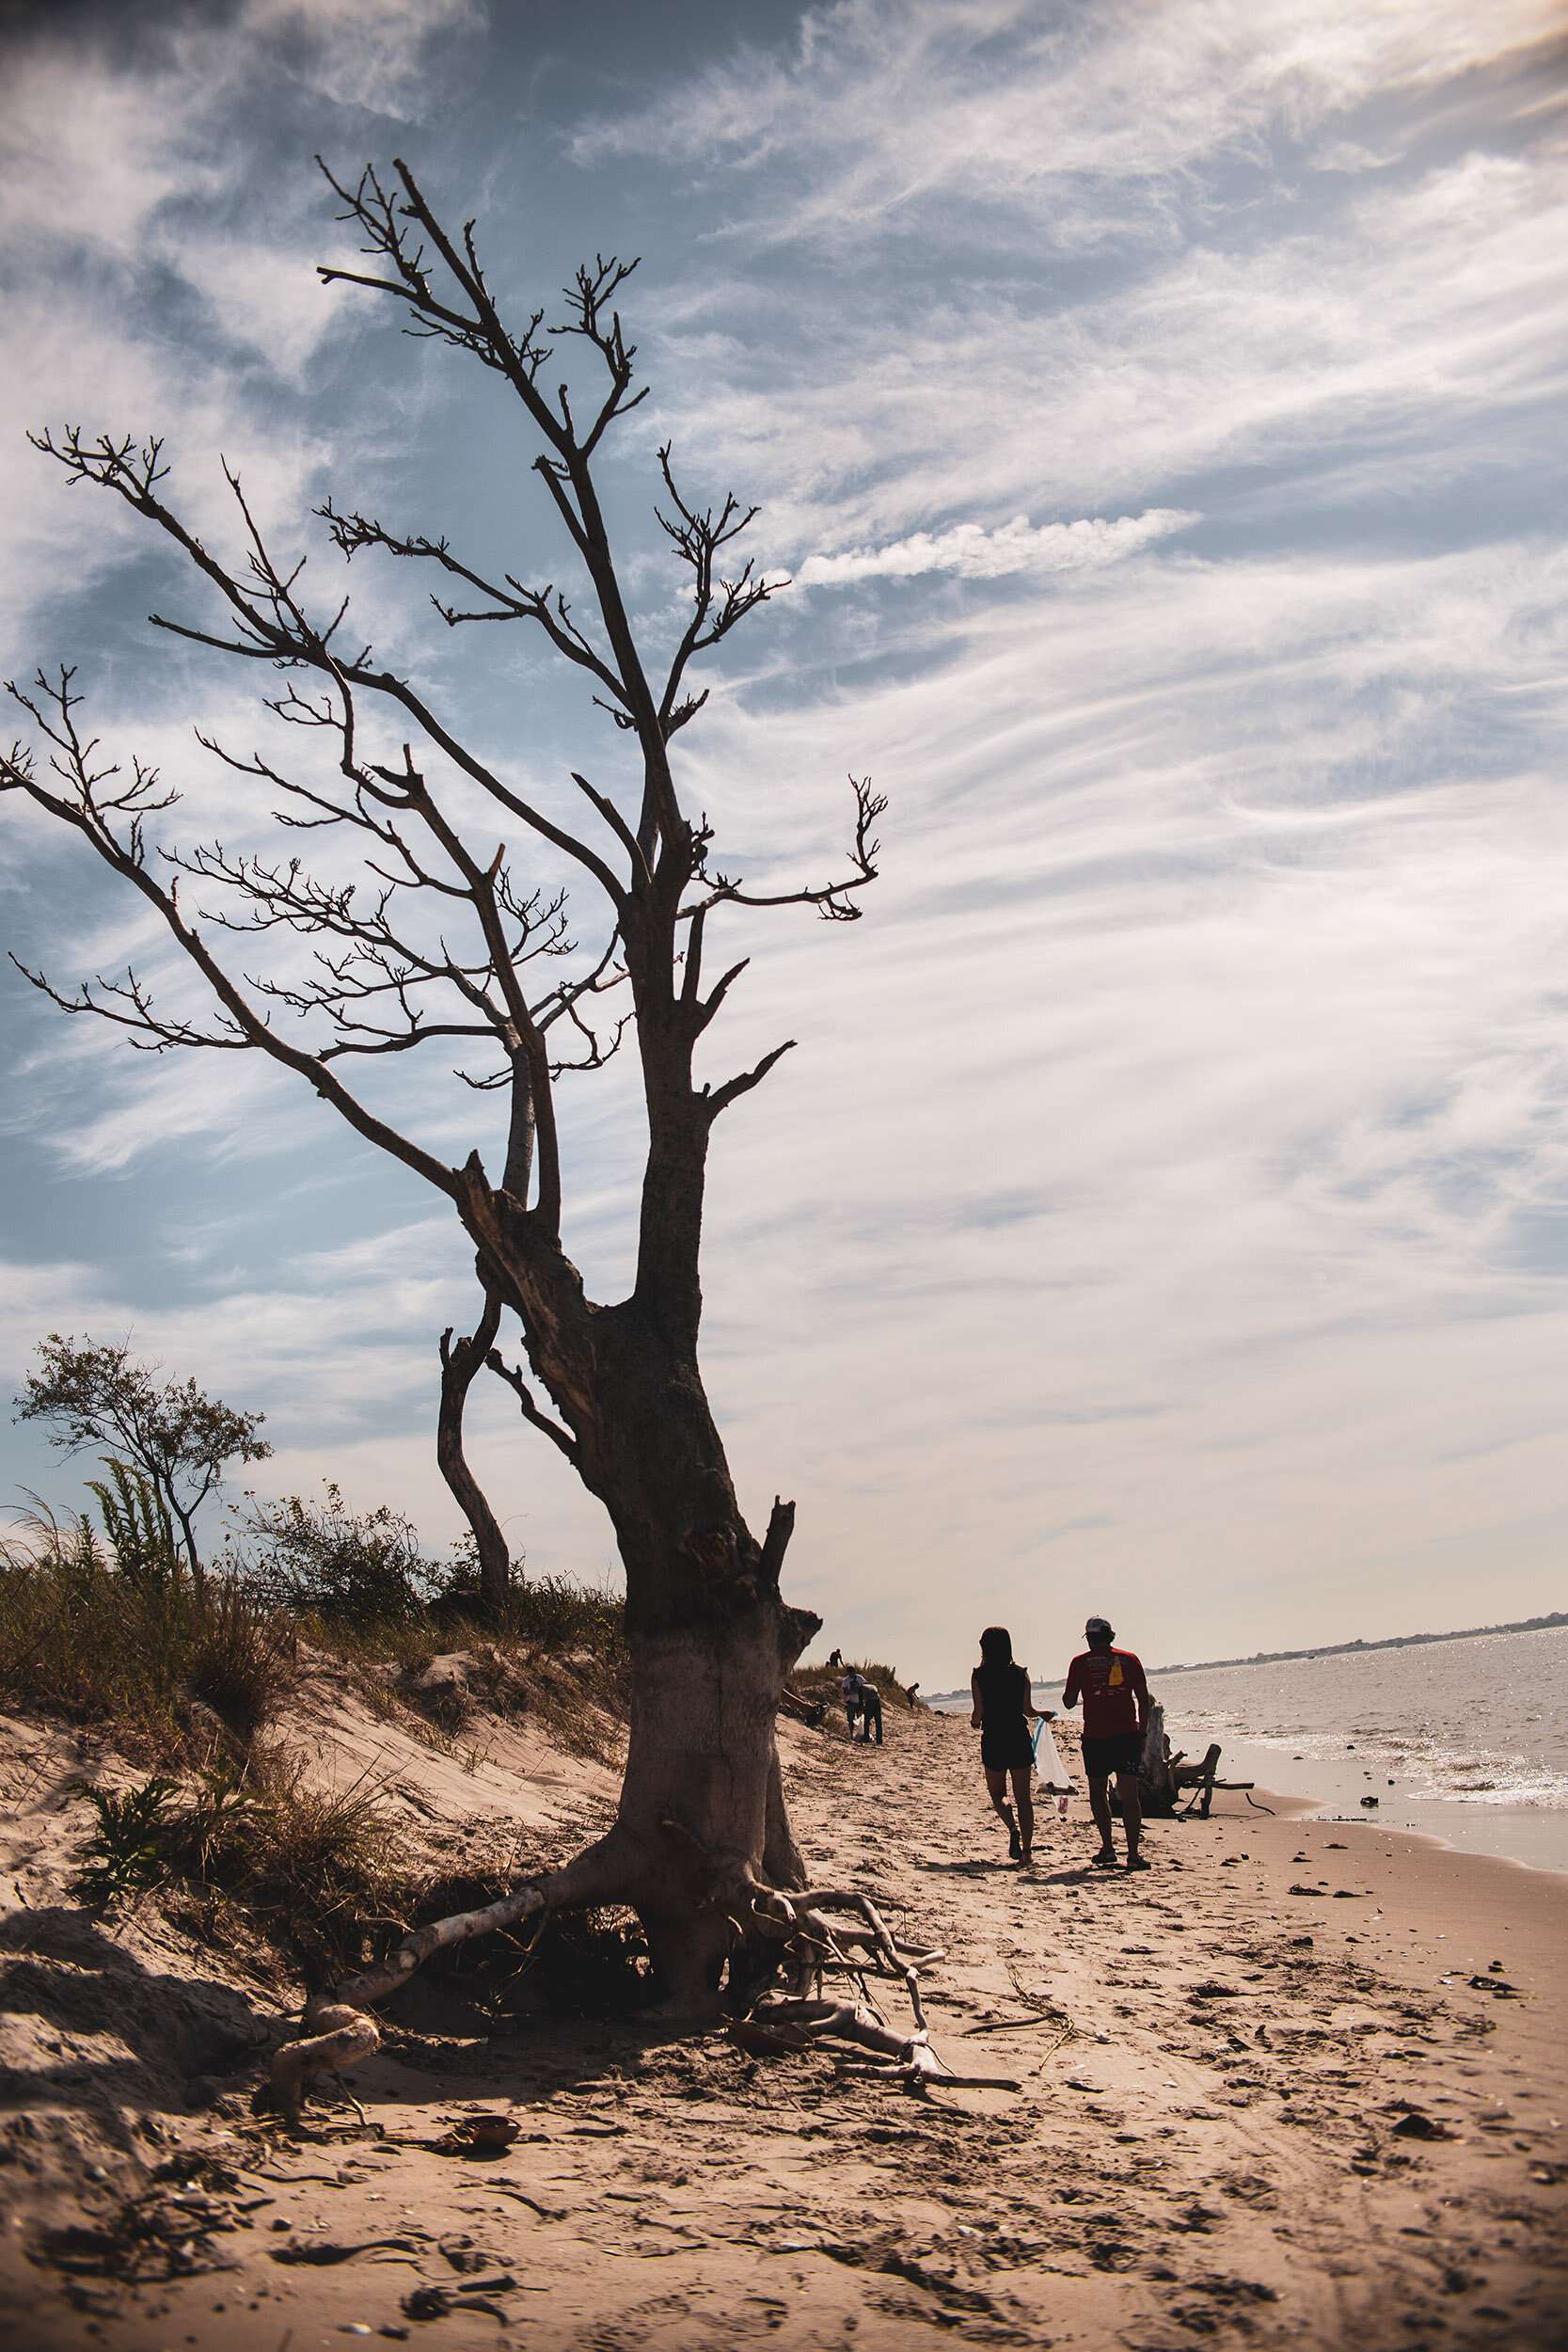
point(1261, 2102)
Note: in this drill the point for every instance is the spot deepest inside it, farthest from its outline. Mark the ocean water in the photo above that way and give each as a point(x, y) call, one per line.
point(1467, 1741)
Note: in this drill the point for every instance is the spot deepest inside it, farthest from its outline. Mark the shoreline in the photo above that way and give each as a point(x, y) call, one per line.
point(1303, 1808)
point(1308, 1809)
point(1533, 1836)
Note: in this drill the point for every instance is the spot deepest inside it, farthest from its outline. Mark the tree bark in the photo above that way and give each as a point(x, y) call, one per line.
point(198, 1574)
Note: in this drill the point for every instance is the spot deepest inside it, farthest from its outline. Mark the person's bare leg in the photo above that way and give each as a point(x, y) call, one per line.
point(996, 1789)
point(1025, 1804)
point(1132, 1814)
point(1100, 1805)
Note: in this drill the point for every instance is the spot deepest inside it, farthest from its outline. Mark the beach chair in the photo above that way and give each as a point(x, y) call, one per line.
point(1197, 1780)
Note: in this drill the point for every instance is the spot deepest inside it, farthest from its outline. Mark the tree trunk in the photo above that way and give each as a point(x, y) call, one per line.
point(701, 1804)
point(198, 1574)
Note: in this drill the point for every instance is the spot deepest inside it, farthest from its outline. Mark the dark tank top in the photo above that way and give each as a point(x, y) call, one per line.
point(1004, 1694)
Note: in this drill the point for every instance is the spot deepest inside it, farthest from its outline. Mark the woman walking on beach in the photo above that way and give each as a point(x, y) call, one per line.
point(1003, 1705)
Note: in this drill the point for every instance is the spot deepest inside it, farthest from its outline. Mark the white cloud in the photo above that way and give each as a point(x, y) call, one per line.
point(1402, 324)
point(974, 553)
point(141, 306)
point(1095, 117)
point(370, 54)
point(1169, 1136)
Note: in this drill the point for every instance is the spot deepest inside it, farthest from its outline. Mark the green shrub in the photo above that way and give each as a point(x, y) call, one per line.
point(353, 1568)
point(125, 1853)
point(139, 1530)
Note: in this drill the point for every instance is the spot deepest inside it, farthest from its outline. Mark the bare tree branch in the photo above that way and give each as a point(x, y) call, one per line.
point(88, 811)
point(732, 1090)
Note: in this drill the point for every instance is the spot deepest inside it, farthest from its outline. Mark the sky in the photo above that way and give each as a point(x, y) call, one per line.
point(1158, 408)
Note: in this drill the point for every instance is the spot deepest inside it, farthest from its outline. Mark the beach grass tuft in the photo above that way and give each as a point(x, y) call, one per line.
point(162, 1668)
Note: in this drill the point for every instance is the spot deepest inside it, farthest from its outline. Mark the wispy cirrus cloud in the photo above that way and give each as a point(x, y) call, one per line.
point(160, 270)
point(975, 553)
point(1080, 262)
point(1092, 123)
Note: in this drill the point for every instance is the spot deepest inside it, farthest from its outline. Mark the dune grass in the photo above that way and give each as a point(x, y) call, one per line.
point(113, 1633)
point(307, 1870)
point(134, 1649)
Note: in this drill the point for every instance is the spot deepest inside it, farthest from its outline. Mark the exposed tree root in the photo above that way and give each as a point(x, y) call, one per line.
point(345, 2035)
point(340, 2031)
point(810, 1944)
point(820, 1945)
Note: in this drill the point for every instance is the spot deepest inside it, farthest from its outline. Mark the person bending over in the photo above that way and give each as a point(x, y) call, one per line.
point(1116, 1713)
point(871, 1712)
point(1003, 1705)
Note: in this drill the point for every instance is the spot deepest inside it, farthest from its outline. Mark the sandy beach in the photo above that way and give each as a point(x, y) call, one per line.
point(1276, 2090)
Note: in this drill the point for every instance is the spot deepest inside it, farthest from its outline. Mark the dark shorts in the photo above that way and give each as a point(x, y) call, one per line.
point(1007, 1750)
point(1123, 1753)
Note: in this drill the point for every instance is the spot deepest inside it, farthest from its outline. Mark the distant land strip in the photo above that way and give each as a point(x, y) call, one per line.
point(1344, 1650)
point(1324, 1649)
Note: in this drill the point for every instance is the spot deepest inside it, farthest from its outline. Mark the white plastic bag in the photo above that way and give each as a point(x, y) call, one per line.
point(1050, 1771)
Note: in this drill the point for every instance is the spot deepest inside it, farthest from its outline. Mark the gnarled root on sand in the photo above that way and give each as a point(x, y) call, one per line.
point(343, 2035)
point(810, 1936)
point(817, 1946)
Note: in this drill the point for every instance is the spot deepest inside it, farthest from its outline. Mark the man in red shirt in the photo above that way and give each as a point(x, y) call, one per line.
point(1111, 1684)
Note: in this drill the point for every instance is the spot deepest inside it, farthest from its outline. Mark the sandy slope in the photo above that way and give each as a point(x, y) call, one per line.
point(1212, 2153)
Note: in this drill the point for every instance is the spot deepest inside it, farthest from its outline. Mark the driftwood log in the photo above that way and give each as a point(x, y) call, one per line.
point(811, 1711)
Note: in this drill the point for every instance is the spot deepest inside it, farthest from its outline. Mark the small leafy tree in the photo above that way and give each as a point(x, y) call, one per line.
point(178, 1437)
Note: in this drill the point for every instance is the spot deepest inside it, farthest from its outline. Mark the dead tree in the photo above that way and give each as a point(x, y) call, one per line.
point(434, 935)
